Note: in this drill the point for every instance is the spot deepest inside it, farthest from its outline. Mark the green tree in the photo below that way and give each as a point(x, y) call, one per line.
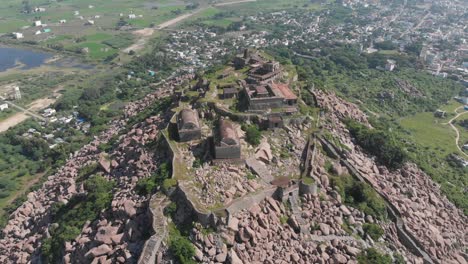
point(373, 230)
point(372, 256)
point(252, 134)
point(183, 249)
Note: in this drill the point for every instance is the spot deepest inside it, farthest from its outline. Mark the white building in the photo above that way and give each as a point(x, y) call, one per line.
point(39, 9)
point(17, 93)
point(37, 23)
point(131, 16)
point(63, 21)
point(49, 111)
point(3, 106)
point(18, 35)
point(390, 65)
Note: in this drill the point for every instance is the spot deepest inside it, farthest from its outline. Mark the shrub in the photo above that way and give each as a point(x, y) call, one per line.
point(373, 230)
point(378, 143)
point(171, 209)
point(372, 256)
point(71, 217)
point(360, 195)
point(182, 249)
point(148, 185)
point(252, 134)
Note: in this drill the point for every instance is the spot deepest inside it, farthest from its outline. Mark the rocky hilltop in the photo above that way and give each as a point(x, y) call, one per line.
point(279, 203)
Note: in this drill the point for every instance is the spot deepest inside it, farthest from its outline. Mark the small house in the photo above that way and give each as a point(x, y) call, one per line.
point(18, 35)
point(390, 65)
point(3, 106)
point(37, 23)
point(62, 21)
point(89, 23)
point(439, 113)
point(39, 9)
point(274, 121)
point(49, 112)
point(230, 92)
point(131, 16)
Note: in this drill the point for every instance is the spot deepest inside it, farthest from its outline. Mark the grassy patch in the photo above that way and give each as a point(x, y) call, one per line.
point(360, 195)
point(428, 131)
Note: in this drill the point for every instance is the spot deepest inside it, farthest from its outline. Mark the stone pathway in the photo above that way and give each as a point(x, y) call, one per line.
point(296, 209)
point(151, 248)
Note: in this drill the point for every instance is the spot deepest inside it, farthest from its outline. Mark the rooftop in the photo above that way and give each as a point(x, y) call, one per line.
point(284, 90)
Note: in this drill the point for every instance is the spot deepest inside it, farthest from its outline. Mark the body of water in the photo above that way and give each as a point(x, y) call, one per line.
point(26, 59)
point(23, 58)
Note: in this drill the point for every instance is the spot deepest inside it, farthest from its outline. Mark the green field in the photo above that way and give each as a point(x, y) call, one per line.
point(430, 144)
point(69, 36)
point(429, 131)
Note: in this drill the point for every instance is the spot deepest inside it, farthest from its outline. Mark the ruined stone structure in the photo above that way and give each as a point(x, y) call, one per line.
point(270, 96)
point(188, 125)
point(246, 59)
point(227, 144)
point(274, 121)
point(264, 73)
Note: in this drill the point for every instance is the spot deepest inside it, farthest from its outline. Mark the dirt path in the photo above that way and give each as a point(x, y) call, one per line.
point(234, 2)
point(146, 33)
point(450, 122)
point(35, 106)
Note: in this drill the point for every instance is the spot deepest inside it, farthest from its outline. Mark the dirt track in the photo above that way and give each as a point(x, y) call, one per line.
point(457, 138)
point(35, 106)
point(146, 33)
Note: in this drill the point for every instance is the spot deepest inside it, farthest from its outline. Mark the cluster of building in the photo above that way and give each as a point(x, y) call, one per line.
point(405, 25)
point(225, 141)
point(260, 92)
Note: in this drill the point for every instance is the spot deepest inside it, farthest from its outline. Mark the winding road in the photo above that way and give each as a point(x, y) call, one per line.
point(450, 122)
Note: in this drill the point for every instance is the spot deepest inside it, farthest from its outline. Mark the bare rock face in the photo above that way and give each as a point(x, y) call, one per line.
point(263, 152)
point(262, 238)
point(233, 258)
point(105, 234)
point(129, 207)
point(425, 211)
point(105, 163)
point(325, 229)
point(99, 251)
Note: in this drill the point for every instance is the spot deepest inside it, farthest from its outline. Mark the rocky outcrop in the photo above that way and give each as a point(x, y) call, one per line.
point(437, 225)
point(123, 233)
point(259, 235)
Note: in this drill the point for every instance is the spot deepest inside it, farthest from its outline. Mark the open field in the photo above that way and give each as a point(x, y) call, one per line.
point(429, 131)
point(75, 34)
point(431, 143)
